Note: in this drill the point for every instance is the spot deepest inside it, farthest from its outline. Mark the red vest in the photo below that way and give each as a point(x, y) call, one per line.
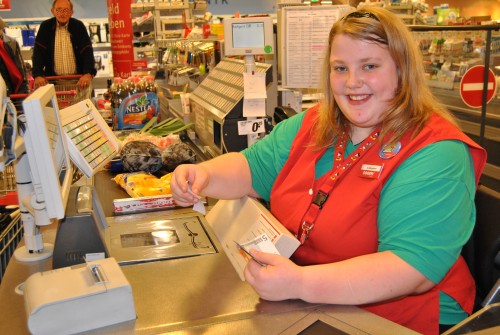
point(347, 224)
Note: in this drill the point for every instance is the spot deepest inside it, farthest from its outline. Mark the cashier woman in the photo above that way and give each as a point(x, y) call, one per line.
point(377, 182)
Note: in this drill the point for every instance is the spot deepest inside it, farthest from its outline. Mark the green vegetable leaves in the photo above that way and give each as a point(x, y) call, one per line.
point(166, 127)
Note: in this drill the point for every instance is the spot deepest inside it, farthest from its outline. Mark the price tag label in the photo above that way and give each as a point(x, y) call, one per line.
point(251, 127)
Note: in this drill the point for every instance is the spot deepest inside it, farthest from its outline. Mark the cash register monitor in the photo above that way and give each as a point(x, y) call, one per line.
point(248, 36)
point(43, 198)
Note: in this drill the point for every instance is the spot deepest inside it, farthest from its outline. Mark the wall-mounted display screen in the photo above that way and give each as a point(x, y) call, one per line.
point(248, 36)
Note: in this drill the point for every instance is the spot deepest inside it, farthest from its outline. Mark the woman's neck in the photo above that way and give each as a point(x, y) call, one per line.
point(358, 134)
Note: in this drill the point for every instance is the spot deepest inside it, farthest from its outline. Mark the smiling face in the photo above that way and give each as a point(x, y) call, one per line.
point(62, 10)
point(363, 79)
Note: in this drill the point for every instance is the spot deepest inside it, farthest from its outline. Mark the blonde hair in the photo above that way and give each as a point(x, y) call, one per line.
point(413, 102)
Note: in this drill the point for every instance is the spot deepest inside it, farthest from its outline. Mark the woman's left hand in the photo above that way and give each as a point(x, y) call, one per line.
point(280, 279)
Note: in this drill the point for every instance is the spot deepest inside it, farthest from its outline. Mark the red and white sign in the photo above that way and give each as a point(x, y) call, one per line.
point(141, 64)
point(4, 4)
point(121, 36)
point(471, 86)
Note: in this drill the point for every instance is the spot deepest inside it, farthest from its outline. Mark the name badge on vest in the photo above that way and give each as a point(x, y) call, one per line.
point(372, 171)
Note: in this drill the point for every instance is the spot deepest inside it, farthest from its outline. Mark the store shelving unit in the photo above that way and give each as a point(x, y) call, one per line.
point(409, 12)
point(480, 46)
point(158, 24)
point(143, 26)
point(166, 20)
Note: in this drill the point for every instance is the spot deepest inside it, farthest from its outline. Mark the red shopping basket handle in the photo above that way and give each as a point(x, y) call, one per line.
point(71, 76)
point(24, 95)
point(70, 92)
point(18, 96)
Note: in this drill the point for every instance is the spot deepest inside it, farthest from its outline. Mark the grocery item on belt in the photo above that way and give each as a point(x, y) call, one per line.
point(176, 154)
point(141, 156)
point(140, 184)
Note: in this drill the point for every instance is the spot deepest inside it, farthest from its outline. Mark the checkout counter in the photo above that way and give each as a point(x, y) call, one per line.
point(194, 295)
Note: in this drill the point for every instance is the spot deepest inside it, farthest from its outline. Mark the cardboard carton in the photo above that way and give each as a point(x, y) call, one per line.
point(244, 221)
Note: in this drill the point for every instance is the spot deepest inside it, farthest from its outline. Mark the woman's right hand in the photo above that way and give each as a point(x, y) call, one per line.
point(187, 183)
point(226, 176)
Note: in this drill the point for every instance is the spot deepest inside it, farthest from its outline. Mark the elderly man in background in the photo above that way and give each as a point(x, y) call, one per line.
point(63, 47)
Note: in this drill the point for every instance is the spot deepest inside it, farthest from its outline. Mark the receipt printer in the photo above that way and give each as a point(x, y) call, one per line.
point(78, 298)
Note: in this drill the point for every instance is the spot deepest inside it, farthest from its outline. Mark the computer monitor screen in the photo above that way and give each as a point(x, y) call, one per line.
point(47, 151)
point(248, 36)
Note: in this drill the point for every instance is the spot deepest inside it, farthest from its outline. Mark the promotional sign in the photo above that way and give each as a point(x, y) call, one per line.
point(471, 86)
point(121, 37)
point(4, 4)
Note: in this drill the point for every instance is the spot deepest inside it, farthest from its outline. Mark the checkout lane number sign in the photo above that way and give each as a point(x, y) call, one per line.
point(471, 86)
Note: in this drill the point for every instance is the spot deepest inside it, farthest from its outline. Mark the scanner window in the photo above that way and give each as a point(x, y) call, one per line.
point(142, 239)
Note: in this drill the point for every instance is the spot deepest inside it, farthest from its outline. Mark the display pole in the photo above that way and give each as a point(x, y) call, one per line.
point(250, 68)
point(34, 248)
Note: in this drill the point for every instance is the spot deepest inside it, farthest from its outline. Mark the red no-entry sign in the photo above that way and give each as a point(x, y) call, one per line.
point(471, 86)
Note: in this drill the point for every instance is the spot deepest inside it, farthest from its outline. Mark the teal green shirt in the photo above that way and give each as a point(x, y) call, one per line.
point(426, 211)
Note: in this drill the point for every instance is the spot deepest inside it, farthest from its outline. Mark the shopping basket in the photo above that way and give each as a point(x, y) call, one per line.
point(11, 230)
point(8, 194)
point(11, 234)
point(7, 180)
point(66, 88)
point(68, 93)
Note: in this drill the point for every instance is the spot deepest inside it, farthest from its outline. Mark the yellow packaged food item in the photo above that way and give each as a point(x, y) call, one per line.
point(133, 178)
point(140, 184)
point(149, 191)
point(168, 176)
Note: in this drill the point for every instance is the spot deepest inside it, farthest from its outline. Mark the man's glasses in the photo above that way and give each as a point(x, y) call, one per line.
point(63, 10)
point(360, 15)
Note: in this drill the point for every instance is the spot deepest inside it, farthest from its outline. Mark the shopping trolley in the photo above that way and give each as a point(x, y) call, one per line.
point(66, 88)
point(68, 93)
point(11, 234)
point(11, 228)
